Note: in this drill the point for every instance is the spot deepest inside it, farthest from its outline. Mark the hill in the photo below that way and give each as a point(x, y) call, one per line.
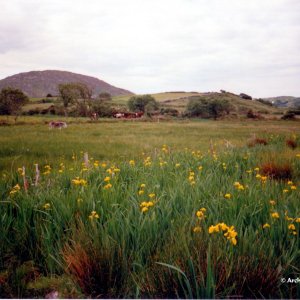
point(41, 83)
point(284, 101)
point(179, 100)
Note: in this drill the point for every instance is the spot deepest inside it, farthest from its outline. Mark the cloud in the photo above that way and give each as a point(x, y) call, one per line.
point(151, 46)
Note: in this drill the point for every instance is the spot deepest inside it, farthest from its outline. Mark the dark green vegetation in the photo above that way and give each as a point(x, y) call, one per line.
point(117, 227)
point(205, 107)
point(144, 103)
point(12, 101)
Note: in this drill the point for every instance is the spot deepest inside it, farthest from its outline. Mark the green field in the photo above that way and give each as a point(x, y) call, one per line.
point(182, 209)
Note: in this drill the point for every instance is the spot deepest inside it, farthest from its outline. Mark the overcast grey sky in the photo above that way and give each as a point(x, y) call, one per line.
point(250, 46)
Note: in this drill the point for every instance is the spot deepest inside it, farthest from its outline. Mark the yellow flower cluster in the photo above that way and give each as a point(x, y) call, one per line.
point(292, 229)
point(15, 189)
point(165, 149)
point(227, 196)
point(21, 171)
point(238, 186)
point(132, 163)
point(144, 206)
point(108, 184)
point(79, 182)
point(93, 215)
point(96, 163)
point(62, 168)
point(141, 190)
point(147, 161)
point(201, 213)
point(229, 232)
point(263, 179)
point(47, 170)
point(192, 178)
point(162, 162)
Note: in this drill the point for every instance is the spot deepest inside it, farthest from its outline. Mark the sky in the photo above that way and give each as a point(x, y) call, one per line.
point(158, 45)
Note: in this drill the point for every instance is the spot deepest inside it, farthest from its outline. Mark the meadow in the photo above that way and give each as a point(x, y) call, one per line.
point(188, 209)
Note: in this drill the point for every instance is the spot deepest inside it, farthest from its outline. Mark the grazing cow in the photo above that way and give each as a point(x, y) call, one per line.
point(57, 124)
point(119, 115)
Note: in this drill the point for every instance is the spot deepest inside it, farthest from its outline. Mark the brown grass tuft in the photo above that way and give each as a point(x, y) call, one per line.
point(257, 141)
point(291, 143)
point(277, 171)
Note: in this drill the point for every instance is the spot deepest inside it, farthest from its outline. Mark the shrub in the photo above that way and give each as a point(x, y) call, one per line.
point(144, 103)
point(288, 116)
point(11, 101)
point(208, 108)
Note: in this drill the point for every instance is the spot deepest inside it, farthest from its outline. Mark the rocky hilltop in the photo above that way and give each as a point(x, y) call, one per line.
point(41, 83)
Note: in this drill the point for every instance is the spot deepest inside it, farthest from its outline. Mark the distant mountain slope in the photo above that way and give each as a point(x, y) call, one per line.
point(41, 83)
point(284, 101)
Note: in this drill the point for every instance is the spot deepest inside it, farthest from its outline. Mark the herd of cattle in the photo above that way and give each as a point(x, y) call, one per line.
point(94, 116)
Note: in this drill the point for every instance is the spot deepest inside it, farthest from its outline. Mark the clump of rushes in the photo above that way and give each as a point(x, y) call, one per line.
point(277, 171)
point(291, 143)
point(257, 141)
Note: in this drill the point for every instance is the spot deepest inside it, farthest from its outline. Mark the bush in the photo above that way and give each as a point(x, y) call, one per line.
point(276, 171)
point(102, 109)
point(144, 103)
point(288, 116)
point(208, 108)
point(11, 101)
point(169, 111)
point(268, 103)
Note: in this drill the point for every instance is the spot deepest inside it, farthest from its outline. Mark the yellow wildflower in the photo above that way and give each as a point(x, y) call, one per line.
point(275, 215)
point(285, 191)
point(47, 206)
point(293, 187)
point(152, 195)
point(272, 202)
point(227, 196)
point(107, 179)
point(140, 192)
point(145, 209)
point(143, 185)
point(93, 215)
point(107, 186)
point(266, 225)
point(132, 162)
point(291, 227)
point(197, 229)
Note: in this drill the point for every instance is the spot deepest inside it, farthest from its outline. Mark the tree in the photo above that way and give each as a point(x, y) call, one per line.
point(208, 108)
point(71, 93)
point(142, 103)
point(11, 101)
point(104, 96)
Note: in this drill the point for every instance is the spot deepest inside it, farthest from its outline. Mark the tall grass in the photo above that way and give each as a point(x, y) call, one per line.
point(104, 239)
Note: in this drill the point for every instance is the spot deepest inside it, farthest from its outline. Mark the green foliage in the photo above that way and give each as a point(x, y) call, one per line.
point(125, 252)
point(11, 101)
point(72, 92)
point(105, 96)
point(208, 108)
point(103, 109)
point(144, 103)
